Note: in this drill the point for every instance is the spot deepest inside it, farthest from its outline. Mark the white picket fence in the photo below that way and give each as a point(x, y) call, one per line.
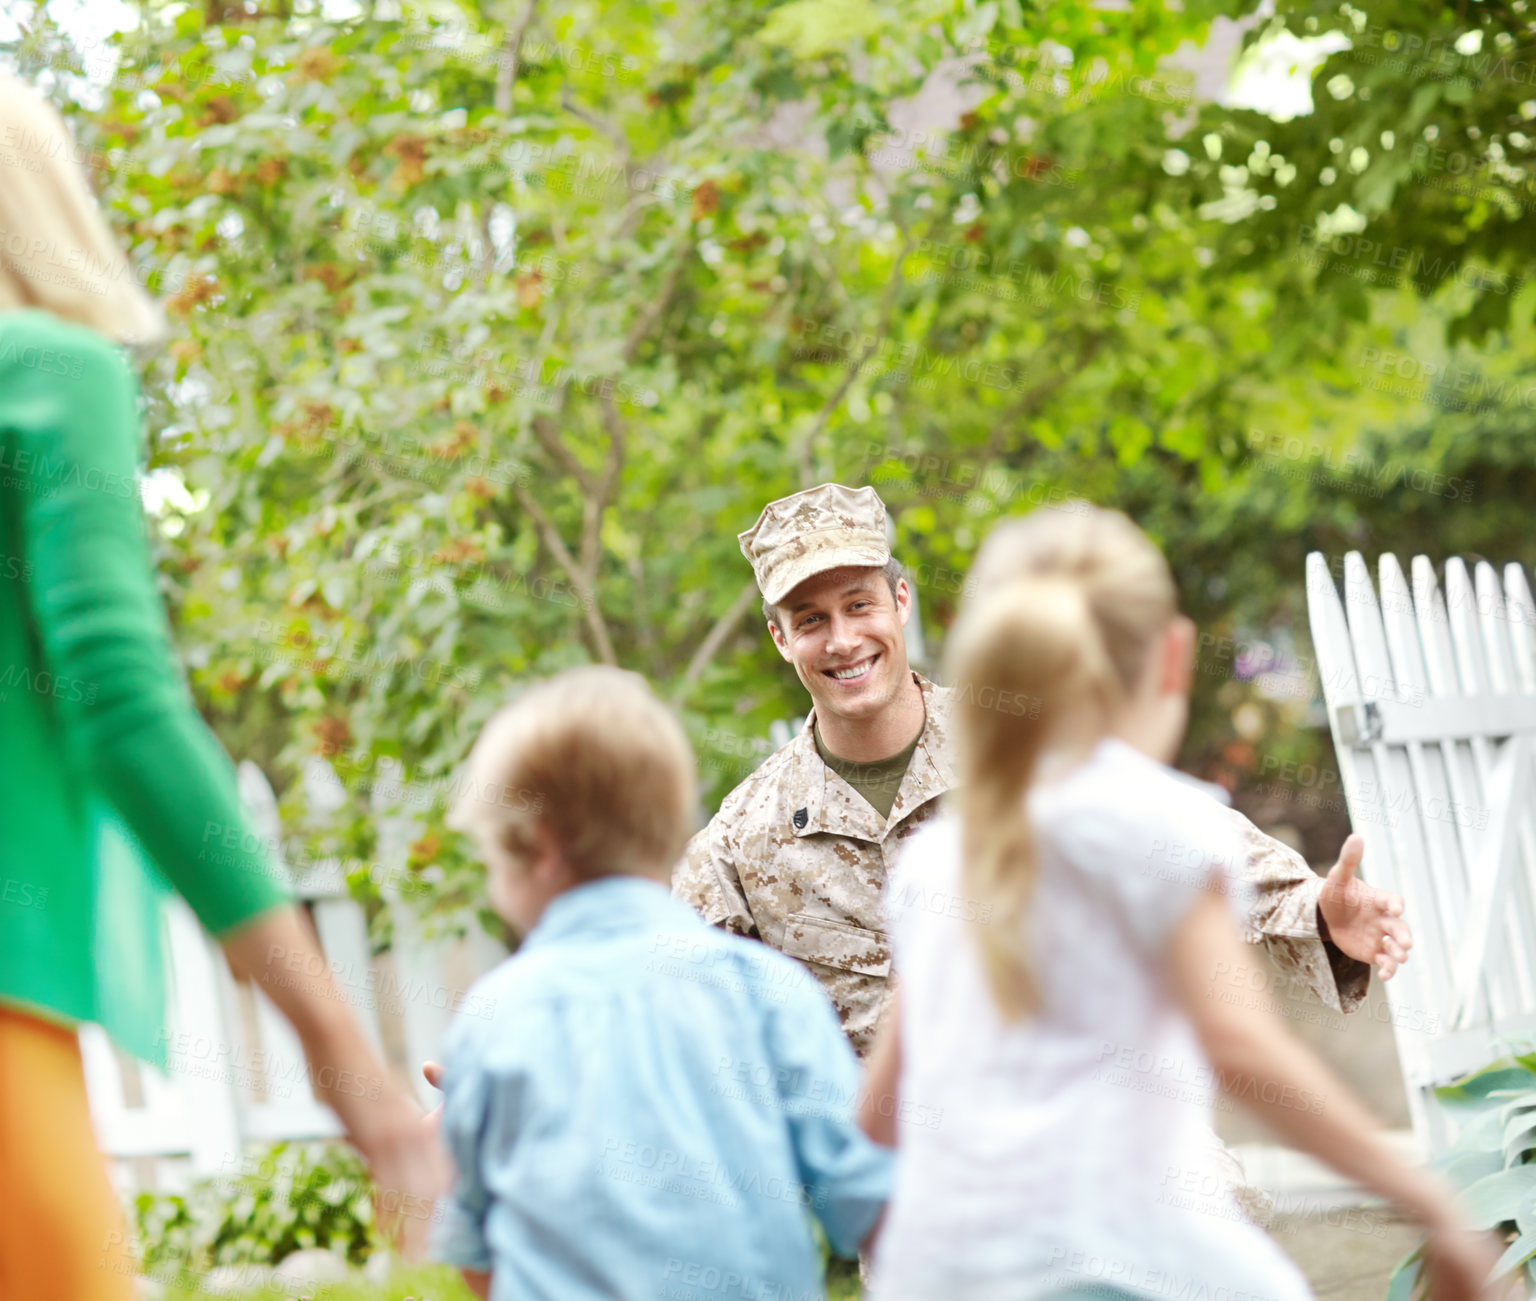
point(237, 1073)
point(1432, 702)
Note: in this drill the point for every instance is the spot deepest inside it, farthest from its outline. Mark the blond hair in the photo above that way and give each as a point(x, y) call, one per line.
point(56, 251)
point(595, 757)
point(1067, 604)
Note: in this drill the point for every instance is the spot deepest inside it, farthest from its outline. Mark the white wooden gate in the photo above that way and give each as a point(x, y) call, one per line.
point(1432, 703)
point(237, 1072)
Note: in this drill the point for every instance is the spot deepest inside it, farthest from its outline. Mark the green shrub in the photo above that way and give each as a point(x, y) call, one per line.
point(1490, 1162)
point(291, 1196)
point(283, 1199)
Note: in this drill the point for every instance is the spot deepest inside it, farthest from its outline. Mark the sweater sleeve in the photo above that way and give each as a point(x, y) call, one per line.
point(130, 728)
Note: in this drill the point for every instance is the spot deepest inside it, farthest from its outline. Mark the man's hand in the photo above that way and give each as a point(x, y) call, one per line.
point(1361, 920)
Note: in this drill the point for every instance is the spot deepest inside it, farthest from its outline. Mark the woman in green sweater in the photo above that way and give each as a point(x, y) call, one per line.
point(113, 789)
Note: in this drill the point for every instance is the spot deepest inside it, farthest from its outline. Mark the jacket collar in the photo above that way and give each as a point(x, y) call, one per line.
point(608, 905)
point(831, 805)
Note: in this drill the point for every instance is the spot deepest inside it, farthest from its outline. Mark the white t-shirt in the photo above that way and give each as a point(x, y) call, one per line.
point(1072, 1148)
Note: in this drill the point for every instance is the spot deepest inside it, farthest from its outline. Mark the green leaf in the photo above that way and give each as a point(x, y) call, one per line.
point(1458, 90)
point(1519, 1137)
point(1422, 100)
point(1465, 1169)
point(1518, 1252)
point(1480, 1085)
point(1484, 1132)
point(1494, 1200)
point(812, 27)
point(1405, 1278)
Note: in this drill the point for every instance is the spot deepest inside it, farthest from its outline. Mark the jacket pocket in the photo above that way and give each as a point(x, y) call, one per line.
point(837, 944)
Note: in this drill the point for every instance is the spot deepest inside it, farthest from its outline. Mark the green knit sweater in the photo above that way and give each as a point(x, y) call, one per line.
point(111, 786)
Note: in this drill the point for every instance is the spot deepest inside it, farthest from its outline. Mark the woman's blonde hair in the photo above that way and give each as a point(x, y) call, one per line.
point(56, 251)
point(1065, 604)
point(595, 757)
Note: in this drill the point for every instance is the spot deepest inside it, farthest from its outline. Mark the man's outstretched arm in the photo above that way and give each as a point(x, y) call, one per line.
point(1325, 932)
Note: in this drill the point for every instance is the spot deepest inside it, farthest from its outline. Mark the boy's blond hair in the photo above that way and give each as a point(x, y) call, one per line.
point(595, 757)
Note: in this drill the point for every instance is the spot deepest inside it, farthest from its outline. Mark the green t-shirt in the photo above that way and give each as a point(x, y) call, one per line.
point(877, 782)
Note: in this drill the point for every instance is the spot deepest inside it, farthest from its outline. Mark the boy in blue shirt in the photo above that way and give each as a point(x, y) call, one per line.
point(655, 1109)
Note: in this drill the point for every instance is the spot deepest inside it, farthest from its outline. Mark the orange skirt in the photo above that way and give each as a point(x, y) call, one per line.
point(62, 1231)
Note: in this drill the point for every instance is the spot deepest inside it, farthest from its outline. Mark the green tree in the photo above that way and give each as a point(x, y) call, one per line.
point(494, 328)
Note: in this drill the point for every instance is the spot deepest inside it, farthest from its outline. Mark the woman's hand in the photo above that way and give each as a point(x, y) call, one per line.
point(409, 1167)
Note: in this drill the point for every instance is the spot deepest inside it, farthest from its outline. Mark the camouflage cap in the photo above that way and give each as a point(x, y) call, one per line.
point(821, 528)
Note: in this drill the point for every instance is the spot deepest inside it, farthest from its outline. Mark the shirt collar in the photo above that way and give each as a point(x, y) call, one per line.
point(832, 805)
point(608, 905)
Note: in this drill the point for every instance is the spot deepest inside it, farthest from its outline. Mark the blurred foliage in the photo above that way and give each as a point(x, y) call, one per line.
point(1489, 1164)
point(494, 327)
point(287, 1198)
point(422, 1283)
point(1413, 169)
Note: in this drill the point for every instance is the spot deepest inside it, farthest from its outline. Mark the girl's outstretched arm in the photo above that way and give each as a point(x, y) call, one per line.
point(1284, 1083)
point(882, 1071)
point(877, 1099)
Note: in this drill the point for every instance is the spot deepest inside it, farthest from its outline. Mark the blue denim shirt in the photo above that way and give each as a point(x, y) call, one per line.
point(652, 1109)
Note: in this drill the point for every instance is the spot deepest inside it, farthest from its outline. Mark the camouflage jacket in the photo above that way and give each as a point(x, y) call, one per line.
point(797, 858)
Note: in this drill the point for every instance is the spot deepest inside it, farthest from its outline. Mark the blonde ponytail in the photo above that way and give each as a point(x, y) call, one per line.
point(1020, 662)
point(1069, 603)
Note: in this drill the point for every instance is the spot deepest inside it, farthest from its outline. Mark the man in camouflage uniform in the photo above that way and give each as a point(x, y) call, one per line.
point(798, 854)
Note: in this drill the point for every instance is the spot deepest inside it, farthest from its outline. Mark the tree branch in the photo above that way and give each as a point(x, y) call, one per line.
point(601, 493)
point(584, 588)
point(506, 71)
point(1030, 404)
point(614, 135)
point(887, 308)
point(653, 310)
point(724, 626)
point(549, 439)
point(488, 247)
point(645, 629)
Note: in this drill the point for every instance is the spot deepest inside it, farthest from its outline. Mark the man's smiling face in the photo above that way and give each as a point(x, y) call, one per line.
point(842, 630)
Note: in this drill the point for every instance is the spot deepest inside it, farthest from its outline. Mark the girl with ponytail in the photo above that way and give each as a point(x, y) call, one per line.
point(1048, 1068)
